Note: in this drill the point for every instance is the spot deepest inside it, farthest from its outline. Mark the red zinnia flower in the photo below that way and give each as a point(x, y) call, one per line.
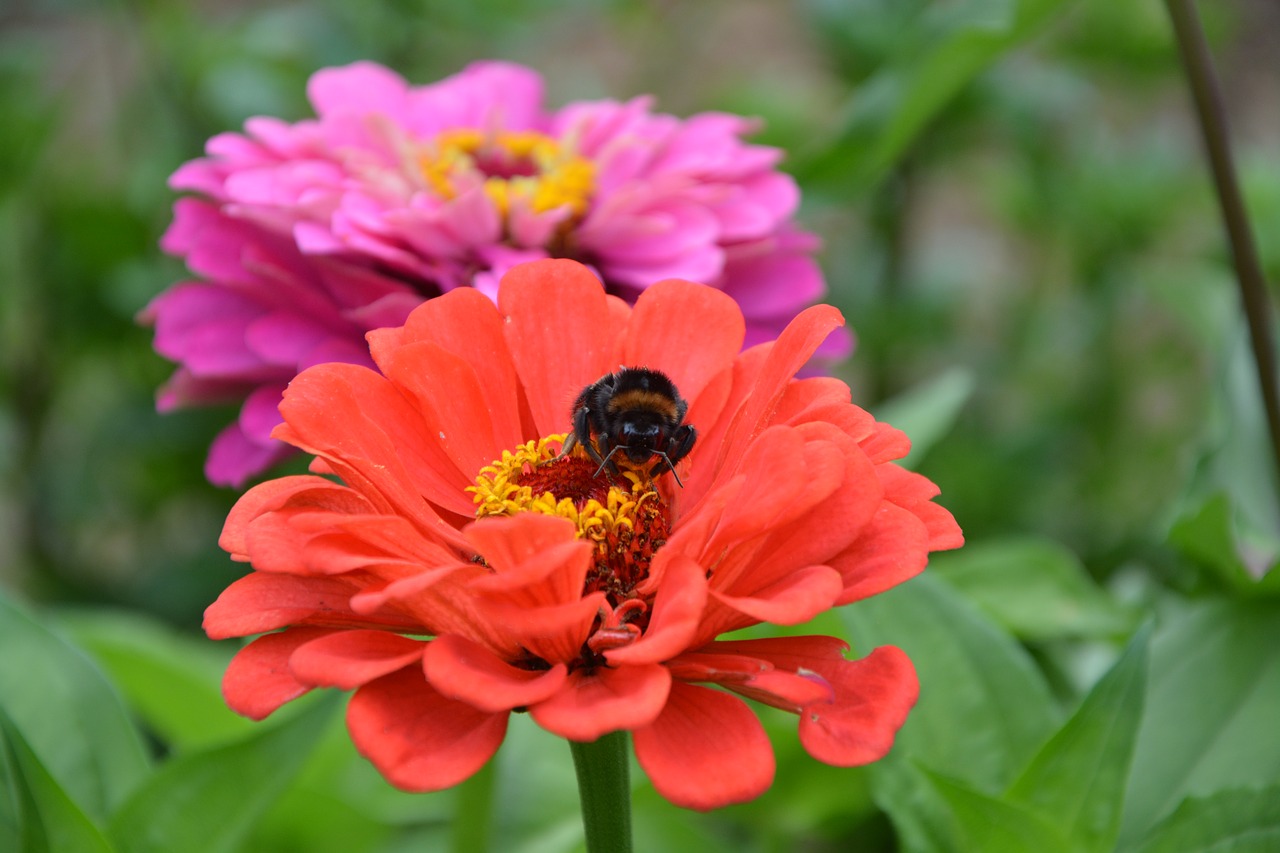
point(462, 570)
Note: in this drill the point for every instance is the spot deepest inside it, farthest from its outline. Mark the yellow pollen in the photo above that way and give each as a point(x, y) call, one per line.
point(622, 515)
point(517, 168)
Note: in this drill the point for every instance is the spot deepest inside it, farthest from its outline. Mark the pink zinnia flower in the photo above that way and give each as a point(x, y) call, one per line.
point(462, 570)
point(305, 236)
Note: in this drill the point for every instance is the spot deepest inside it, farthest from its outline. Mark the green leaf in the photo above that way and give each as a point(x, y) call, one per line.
point(937, 814)
point(68, 714)
point(988, 823)
point(1035, 588)
point(1078, 779)
point(171, 680)
point(1210, 719)
point(210, 800)
point(1207, 537)
point(889, 111)
point(1240, 820)
point(927, 412)
point(36, 813)
point(984, 707)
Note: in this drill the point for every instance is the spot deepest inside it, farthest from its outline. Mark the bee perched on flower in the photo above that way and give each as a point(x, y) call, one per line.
point(462, 567)
point(635, 410)
point(303, 237)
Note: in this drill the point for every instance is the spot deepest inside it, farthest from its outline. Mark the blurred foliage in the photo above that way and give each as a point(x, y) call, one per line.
point(1020, 230)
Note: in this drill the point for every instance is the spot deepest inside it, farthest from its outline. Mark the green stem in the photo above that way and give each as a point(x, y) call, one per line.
point(605, 791)
point(474, 814)
point(1213, 126)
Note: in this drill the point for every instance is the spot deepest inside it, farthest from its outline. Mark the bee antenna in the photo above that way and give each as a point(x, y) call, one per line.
point(670, 467)
point(605, 461)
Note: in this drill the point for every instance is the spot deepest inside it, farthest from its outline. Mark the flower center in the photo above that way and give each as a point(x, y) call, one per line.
point(517, 169)
point(623, 517)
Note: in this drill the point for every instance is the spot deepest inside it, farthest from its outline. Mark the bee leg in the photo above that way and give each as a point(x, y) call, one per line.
point(580, 434)
point(605, 461)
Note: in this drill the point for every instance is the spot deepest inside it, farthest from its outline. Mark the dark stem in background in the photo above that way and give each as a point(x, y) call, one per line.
point(889, 218)
point(1253, 289)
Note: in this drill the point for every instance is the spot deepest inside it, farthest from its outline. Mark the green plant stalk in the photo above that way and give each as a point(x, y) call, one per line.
point(474, 813)
point(1213, 126)
point(604, 788)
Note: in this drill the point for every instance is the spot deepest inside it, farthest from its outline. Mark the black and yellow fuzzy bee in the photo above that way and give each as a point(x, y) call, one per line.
point(637, 411)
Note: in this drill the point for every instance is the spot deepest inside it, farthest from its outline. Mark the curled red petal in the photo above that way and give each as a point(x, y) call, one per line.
point(348, 659)
point(469, 672)
point(418, 739)
point(554, 633)
point(705, 750)
point(274, 494)
point(259, 680)
point(594, 702)
point(538, 553)
point(873, 696)
point(677, 609)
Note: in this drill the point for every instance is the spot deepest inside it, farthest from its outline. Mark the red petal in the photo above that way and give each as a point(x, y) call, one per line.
point(692, 332)
point(886, 443)
point(873, 697)
point(834, 524)
point(263, 602)
point(418, 739)
point(537, 554)
point(348, 659)
point(677, 609)
point(787, 653)
point(469, 672)
point(466, 323)
point(553, 633)
point(557, 328)
point(471, 421)
point(781, 360)
point(602, 700)
point(258, 679)
point(705, 750)
point(786, 477)
point(795, 598)
point(374, 438)
point(891, 549)
point(346, 543)
point(273, 494)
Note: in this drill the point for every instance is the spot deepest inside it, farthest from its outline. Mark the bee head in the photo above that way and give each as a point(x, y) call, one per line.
point(640, 433)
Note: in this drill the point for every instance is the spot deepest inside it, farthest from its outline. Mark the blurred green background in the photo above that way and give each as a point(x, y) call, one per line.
point(1019, 227)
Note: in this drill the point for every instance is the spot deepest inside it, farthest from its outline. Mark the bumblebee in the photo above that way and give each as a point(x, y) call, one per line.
point(636, 411)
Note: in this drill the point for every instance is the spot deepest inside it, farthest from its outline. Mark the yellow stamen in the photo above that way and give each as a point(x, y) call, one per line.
point(523, 168)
